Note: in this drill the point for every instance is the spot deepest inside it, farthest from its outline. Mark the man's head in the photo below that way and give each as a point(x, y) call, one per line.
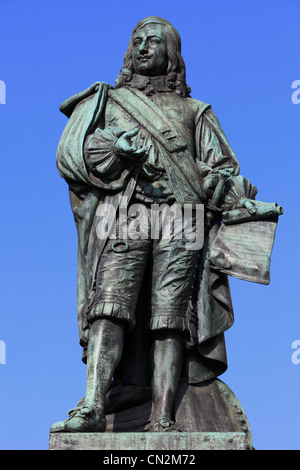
point(155, 49)
point(149, 50)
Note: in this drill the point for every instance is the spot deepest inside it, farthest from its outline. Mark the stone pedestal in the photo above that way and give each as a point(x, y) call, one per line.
point(148, 441)
point(212, 417)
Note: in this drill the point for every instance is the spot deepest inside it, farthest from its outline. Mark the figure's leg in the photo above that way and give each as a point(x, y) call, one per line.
point(104, 352)
point(174, 266)
point(167, 364)
point(119, 277)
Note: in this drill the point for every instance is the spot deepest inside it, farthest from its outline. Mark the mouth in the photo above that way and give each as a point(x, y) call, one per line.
point(144, 58)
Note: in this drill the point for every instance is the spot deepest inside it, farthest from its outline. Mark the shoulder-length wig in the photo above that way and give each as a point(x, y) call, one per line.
point(176, 72)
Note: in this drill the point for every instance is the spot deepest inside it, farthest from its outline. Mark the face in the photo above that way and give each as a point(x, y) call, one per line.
point(150, 55)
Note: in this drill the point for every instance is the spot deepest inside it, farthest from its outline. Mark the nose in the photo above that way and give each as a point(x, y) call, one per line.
point(143, 47)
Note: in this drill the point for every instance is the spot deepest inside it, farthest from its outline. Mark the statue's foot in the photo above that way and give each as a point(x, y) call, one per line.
point(82, 420)
point(166, 425)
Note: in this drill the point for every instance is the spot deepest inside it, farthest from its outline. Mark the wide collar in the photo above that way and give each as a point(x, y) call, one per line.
point(149, 85)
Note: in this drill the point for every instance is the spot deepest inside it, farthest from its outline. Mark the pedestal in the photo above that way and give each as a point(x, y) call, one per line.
point(212, 417)
point(149, 441)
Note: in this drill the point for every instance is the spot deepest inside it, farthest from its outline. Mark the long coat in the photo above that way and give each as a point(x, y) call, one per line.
point(206, 357)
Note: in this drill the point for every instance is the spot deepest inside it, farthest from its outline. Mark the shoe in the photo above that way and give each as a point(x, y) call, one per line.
point(81, 420)
point(166, 425)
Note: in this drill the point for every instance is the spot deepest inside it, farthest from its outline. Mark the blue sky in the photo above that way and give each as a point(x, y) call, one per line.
point(242, 58)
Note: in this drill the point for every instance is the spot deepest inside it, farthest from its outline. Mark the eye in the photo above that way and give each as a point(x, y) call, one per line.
point(137, 42)
point(154, 41)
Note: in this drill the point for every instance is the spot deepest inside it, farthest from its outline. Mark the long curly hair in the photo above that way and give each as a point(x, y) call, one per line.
point(176, 72)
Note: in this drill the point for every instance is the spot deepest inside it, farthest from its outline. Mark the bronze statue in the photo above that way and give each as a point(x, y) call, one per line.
point(151, 312)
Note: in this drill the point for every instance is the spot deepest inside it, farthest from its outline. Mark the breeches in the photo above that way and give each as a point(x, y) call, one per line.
point(120, 275)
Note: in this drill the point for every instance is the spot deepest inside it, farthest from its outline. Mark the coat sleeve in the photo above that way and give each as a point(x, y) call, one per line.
point(100, 156)
point(213, 151)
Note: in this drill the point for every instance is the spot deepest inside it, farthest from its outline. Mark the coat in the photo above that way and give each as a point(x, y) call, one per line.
point(206, 357)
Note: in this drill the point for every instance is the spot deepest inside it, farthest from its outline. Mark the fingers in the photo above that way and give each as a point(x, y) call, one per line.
point(124, 141)
point(118, 132)
point(244, 202)
point(134, 147)
point(141, 155)
point(226, 173)
point(129, 149)
point(250, 207)
point(128, 135)
point(141, 151)
point(138, 156)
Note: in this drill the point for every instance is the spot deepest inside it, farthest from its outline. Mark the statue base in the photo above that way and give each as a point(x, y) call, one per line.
point(137, 441)
point(210, 413)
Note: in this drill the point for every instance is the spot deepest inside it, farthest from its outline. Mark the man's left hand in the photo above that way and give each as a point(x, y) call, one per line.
point(247, 204)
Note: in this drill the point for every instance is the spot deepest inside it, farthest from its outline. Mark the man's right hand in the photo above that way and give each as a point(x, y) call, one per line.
point(128, 149)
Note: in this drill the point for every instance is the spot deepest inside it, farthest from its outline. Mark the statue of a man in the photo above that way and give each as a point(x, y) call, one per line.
point(150, 311)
